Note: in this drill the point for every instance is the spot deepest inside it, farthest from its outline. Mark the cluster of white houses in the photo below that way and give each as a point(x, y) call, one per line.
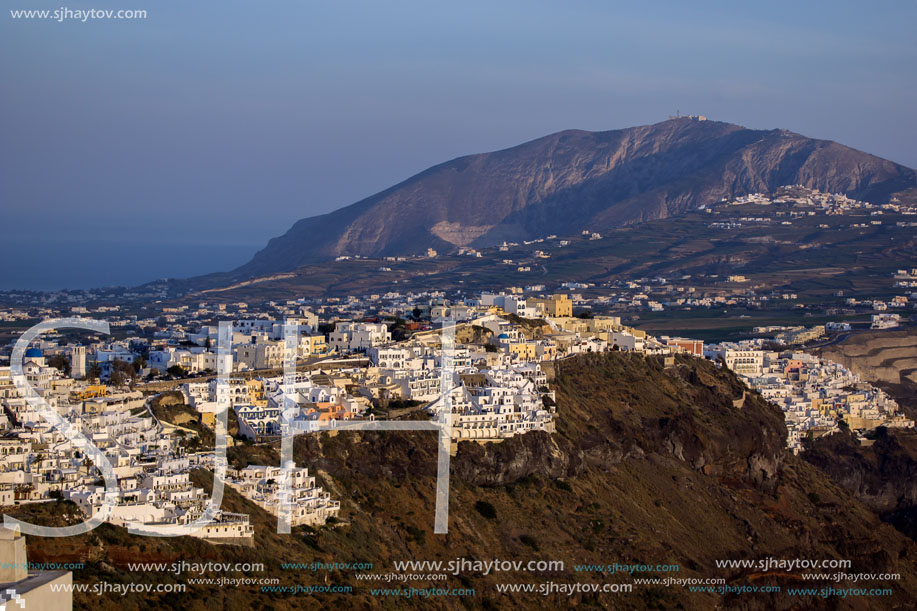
point(496, 387)
point(155, 488)
point(813, 393)
point(262, 484)
point(494, 382)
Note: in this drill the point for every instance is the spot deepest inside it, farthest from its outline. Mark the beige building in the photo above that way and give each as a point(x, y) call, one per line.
point(745, 362)
point(556, 306)
point(21, 589)
point(262, 355)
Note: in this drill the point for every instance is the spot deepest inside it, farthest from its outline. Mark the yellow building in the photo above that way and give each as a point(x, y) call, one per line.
point(91, 392)
point(635, 332)
point(573, 325)
point(209, 419)
point(523, 350)
point(558, 306)
point(604, 323)
point(256, 392)
point(318, 345)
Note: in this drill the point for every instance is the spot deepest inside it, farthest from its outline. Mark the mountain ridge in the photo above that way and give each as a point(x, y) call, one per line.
point(576, 180)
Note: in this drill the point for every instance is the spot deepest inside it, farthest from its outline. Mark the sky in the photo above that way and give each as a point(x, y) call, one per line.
point(178, 144)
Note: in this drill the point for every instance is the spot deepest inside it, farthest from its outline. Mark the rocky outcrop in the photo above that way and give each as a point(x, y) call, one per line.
point(691, 421)
point(516, 458)
point(883, 474)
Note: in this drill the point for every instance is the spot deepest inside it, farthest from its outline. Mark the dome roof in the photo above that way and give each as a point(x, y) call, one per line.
point(503, 336)
point(34, 353)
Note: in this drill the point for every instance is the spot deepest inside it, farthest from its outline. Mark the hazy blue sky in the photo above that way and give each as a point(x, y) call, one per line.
point(177, 145)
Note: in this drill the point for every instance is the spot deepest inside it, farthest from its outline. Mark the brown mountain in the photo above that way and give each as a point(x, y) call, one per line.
point(575, 180)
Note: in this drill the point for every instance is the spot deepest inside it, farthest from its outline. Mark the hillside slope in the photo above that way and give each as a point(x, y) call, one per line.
point(575, 180)
point(883, 475)
point(650, 465)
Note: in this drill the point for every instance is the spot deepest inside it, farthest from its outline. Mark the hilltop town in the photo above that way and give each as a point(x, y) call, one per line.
point(151, 400)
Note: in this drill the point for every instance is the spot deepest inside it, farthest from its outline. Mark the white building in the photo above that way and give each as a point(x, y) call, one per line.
point(748, 363)
point(358, 336)
point(78, 362)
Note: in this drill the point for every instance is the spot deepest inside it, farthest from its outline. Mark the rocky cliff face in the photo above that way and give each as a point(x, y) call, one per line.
point(575, 180)
point(882, 475)
point(684, 413)
point(647, 462)
point(649, 465)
